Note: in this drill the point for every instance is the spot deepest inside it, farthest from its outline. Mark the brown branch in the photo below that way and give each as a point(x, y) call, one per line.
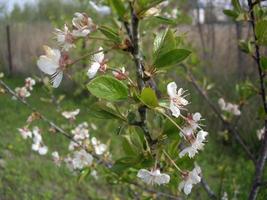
point(207, 188)
point(226, 124)
point(263, 151)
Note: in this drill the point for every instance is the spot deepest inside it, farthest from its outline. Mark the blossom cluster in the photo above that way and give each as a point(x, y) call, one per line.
point(38, 144)
point(191, 132)
point(229, 107)
point(24, 92)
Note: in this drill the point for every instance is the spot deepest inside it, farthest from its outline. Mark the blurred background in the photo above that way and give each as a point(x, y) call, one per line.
point(27, 25)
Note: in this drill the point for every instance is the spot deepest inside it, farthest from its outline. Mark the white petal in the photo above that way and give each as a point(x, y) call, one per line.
point(43, 150)
point(196, 117)
point(172, 89)
point(93, 70)
point(175, 110)
point(162, 179)
point(47, 65)
point(57, 79)
point(188, 188)
point(99, 57)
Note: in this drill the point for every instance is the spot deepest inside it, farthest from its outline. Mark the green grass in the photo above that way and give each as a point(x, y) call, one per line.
point(27, 175)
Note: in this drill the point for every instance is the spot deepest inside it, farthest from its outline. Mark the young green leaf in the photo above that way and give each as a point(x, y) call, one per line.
point(149, 98)
point(231, 13)
point(108, 88)
point(263, 61)
point(171, 58)
point(164, 42)
point(110, 34)
point(261, 31)
point(118, 6)
point(237, 6)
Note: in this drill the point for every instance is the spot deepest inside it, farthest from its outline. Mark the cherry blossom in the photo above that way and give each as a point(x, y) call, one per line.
point(81, 132)
point(65, 38)
point(38, 142)
point(229, 107)
point(53, 63)
point(196, 145)
point(153, 177)
point(98, 146)
point(177, 100)
point(71, 115)
point(22, 92)
point(56, 158)
point(29, 83)
point(83, 25)
point(193, 124)
point(189, 179)
point(25, 132)
point(97, 64)
point(81, 159)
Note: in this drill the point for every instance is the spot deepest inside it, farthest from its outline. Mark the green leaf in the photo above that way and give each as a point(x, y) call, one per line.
point(108, 88)
point(164, 20)
point(118, 6)
point(164, 42)
point(124, 163)
point(149, 97)
point(110, 34)
point(141, 6)
point(102, 111)
point(231, 13)
point(261, 31)
point(84, 173)
point(263, 61)
point(245, 46)
point(237, 6)
point(171, 58)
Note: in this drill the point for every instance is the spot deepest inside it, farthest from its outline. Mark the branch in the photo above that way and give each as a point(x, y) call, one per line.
point(263, 151)
point(106, 164)
point(208, 189)
point(226, 124)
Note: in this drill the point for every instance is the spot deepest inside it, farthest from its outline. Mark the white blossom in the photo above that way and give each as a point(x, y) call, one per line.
point(98, 146)
point(177, 100)
point(81, 159)
point(22, 92)
point(196, 145)
point(71, 114)
point(97, 64)
point(53, 63)
point(189, 179)
point(229, 107)
point(100, 9)
point(25, 132)
point(260, 133)
point(65, 38)
point(81, 132)
point(29, 83)
point(56, 158)
point(38, 142)
point(83, 25)
point(153, 177)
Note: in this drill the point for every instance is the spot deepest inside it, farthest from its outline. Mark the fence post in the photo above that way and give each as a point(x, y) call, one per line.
point(10, 65)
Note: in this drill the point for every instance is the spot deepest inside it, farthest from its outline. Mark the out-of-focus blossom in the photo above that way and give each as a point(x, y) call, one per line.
point(229, 107)
point(98, 63)
point(56, 158)
point(29, 83)
point(22, 92)
point(38, 142)
point(260, 133)
point(65, 38)
point(177, 100)
point(25, 132)
point(81, 159)
point(189, 179)
point(121, 74)
point(53, 63)
point(81, 132)
point(153, 177)
point(71, 115)
point(196, 145)
point(83, 25)
point(98, 146)
point(100, 9)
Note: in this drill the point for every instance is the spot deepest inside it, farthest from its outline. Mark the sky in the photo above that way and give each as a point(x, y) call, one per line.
point(10, 3)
